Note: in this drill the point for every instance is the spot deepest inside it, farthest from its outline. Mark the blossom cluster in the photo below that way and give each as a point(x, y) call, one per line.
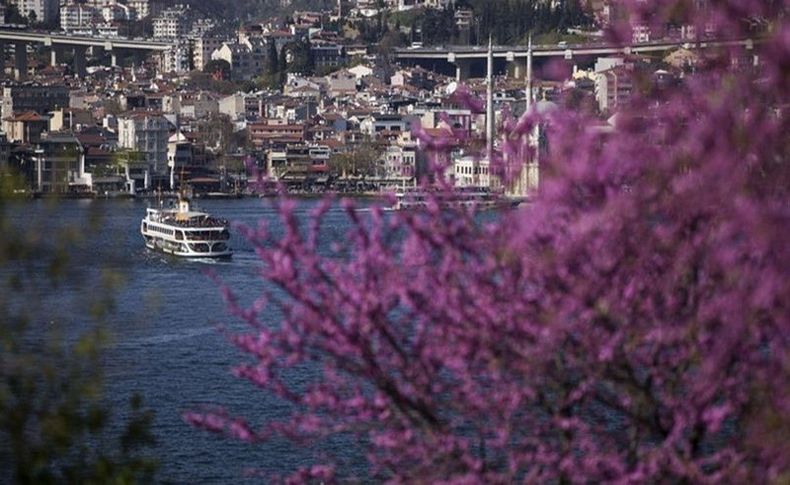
point(629, 324)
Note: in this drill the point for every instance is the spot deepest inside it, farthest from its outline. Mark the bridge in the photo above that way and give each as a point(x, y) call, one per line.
point(60, 42)
point(462, 57)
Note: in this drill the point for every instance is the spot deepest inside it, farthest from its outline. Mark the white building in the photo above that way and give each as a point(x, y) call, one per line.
point(78, 17)
point(177, 59)
point(203, 46)
point(141, 8)
point(115, 12)
point(468, 171)
point(147, 133)
point(400, 161)
point(173, 23)
point(239, 57)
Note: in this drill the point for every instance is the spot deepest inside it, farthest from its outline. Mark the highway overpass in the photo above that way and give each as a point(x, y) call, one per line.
point(60, 42)
point(462, 57)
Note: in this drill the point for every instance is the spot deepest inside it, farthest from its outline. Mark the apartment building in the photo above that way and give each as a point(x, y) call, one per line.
point(145, 132)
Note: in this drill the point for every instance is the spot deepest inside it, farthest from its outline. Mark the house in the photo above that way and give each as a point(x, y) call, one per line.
point(239, 57)
point(361, 71)
point(70, 119)
point(469, 171)
point(341, 83)
point(264, 134)
point(378, 122)
point(328, 56)
point(300, 164)
point(400, 161)
point(300, 86)
point(25, 127)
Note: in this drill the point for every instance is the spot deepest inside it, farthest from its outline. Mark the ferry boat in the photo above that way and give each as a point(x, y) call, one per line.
point(186, 233)
point(466, 197)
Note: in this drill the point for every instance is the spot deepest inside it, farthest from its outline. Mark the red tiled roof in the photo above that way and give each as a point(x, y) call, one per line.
point(26, 116)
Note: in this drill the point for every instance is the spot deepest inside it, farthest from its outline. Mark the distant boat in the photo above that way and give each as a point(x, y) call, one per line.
point(466, 197)
point(186, 233)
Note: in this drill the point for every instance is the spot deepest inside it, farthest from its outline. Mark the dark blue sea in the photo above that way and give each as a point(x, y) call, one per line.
point(165, 339)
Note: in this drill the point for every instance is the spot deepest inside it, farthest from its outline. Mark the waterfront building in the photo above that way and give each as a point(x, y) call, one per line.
point(5, 153)
point(400, 161)
point(470, 171)
point(60, 164)
point(299, 163)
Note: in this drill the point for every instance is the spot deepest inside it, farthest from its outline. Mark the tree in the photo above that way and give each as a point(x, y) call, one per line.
point(54, 423)
point(360, 161)
point(13, 16)
point(628, 325)
point(219, 68)
point(272, 61)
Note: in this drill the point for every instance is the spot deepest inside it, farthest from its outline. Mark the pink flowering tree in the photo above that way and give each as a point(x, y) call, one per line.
point(629, 324)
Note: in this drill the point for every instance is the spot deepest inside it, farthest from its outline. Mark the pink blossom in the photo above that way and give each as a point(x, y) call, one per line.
point(628, 325)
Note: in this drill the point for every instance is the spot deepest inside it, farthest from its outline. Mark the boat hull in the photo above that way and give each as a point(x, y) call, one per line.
point(161, 246)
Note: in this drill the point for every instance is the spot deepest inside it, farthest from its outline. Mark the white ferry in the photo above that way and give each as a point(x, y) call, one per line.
point(466, 197)
point(183, 232)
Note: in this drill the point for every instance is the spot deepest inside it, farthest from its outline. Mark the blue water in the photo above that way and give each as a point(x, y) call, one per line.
point(164, 328)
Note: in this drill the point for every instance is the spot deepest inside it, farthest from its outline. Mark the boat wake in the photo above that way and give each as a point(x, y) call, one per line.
point(171, 337)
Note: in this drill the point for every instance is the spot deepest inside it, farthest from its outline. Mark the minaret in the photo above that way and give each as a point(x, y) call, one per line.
point(490, 102)
point(529, 74)
point(530, 175)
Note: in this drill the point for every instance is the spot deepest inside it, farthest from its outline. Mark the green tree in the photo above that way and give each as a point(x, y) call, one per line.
point(53, 419)
point(13, 16)
point(219, 68)
point(272, 61)
point(360, 161)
